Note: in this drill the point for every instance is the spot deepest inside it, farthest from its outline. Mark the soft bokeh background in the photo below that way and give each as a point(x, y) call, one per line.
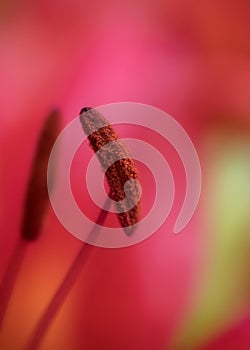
point(189, 58)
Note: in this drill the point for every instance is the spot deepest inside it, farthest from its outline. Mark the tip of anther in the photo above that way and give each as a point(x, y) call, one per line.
point(85, 109)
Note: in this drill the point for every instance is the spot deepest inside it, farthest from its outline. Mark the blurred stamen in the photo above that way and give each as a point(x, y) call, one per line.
point(36, 202)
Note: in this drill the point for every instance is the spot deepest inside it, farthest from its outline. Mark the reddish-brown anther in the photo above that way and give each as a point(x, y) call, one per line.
point(100, 133)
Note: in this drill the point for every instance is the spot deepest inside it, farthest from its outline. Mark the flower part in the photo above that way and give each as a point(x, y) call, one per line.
point(100, 133)
point(37, 194)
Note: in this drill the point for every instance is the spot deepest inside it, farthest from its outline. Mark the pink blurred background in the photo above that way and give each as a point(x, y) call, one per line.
point(190, 59)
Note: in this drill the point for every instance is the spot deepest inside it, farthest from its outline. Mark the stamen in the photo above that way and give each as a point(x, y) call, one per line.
point(66, 285)
point(100, 133)
point(34, 210)
point(36, 200)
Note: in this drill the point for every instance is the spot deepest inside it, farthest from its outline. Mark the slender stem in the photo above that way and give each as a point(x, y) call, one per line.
point(66, 285)
point(10, 277)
